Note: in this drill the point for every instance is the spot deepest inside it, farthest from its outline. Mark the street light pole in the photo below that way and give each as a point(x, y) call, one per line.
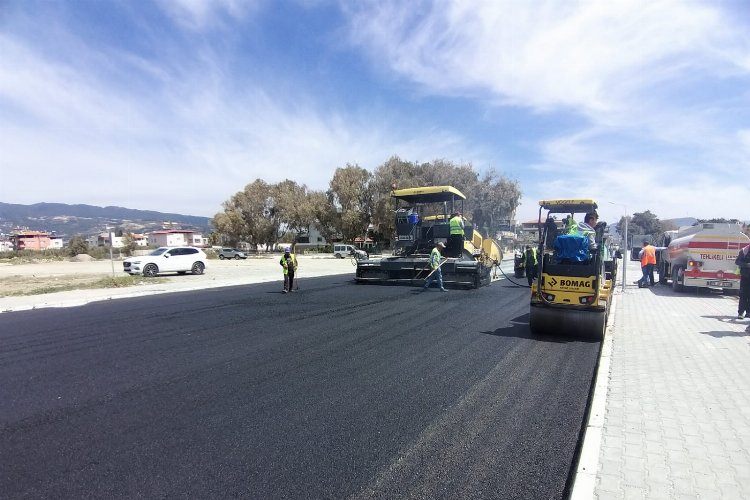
point(625, 237)
point(111, 243)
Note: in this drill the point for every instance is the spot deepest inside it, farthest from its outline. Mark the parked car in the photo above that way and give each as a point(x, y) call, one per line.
point(231, 253)
point(167, 260)
point(341, 251)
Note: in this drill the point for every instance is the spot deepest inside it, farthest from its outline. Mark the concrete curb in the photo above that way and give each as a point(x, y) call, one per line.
point(584, 483)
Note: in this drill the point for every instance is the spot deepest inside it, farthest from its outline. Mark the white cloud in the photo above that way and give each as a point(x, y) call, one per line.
point(201, 14)
point(185, 144)
point(590, 56)
point(658, 83)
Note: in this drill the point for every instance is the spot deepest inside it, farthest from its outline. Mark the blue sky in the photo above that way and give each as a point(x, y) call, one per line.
point(174, 105)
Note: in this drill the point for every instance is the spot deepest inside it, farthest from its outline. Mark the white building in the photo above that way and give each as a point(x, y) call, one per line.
point(55, 242)
point(176, 238)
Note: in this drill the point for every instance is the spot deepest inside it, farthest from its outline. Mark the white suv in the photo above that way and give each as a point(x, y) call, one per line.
point(166, 260)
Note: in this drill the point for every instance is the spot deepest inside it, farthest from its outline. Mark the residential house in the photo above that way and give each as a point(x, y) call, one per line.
point(55, 242)
point(102, 240)
point(176, 238)
point(30, 240)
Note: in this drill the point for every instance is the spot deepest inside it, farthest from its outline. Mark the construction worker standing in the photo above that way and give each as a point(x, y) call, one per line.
point(456, 240)
point(648, 262)
point(289, 263)
point(743, 263)
point(435, 258)
point(531, 264)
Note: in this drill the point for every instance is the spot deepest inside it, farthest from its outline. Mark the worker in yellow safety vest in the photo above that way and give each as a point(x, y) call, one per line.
point(456, 240)
point(648, 262)
point(530, 264)
point(289, 263)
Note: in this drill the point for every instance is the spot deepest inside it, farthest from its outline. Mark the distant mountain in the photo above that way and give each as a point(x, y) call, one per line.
point(68, 220)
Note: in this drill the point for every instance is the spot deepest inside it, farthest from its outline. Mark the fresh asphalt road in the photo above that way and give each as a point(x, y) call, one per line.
point(339, 390)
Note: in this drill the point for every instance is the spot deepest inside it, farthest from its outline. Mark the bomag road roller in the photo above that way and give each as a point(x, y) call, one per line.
point(572, 289)
point(422, 220)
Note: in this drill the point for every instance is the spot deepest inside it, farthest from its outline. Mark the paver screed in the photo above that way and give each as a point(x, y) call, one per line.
point(677, 420)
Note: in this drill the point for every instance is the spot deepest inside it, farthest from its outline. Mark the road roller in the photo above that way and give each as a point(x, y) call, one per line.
point(572, 289)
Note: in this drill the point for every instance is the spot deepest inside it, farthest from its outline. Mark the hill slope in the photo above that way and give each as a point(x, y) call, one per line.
point(68, 220)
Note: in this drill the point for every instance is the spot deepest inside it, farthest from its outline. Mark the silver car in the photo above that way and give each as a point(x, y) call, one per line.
point(231, 253)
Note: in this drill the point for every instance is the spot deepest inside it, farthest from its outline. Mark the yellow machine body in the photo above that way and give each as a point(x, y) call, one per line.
point(570, 298)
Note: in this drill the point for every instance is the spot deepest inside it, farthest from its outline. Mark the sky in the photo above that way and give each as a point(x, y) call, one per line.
point(175, 105)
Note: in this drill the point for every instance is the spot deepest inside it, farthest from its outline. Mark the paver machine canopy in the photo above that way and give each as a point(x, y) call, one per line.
point(572, 290)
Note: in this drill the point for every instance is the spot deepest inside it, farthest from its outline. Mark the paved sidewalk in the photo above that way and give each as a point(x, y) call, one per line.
point(677, 418)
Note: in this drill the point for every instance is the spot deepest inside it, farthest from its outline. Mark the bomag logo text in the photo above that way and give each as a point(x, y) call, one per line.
point(575, 283)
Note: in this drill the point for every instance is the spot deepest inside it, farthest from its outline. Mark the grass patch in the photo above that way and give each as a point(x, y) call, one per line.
point(73, 284)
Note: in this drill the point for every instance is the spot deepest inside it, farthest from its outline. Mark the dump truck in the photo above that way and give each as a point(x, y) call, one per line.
point(702, 256)
point(572, 292)
point(422, 220)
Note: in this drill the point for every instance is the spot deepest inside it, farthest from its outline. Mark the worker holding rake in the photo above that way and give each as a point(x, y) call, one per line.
point(435, 264)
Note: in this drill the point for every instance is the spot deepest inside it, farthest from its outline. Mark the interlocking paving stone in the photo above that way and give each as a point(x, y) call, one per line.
point(677, 421)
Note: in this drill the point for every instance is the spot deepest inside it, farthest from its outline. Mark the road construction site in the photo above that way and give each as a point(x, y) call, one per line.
point(337, 390)
point(364, 391)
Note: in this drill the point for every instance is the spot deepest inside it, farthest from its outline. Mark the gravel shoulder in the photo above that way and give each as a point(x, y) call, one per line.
point(14, 278)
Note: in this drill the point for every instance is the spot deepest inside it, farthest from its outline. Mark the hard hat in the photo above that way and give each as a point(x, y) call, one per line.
point(441, 244)
point(287, 249)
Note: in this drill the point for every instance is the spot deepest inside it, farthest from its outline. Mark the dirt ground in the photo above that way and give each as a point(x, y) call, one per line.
point(16, 278)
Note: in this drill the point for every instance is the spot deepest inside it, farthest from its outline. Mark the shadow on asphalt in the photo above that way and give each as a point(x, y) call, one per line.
point(725, 333)
point(519, 328)
point(666, 290)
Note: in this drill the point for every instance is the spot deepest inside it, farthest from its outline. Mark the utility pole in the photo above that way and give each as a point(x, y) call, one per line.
point(111, 243)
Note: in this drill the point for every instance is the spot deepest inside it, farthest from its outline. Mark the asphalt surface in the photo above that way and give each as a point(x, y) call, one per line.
point(339, 390)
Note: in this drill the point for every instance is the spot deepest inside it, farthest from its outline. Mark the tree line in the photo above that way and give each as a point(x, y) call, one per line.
point(358, 202)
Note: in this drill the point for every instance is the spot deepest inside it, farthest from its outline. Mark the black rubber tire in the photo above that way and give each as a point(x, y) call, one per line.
point(339, 256)
point(197, 268)
point(676, 285)
point(236, 257)
point(663, 274)
point(151, 270)
point(221, 257)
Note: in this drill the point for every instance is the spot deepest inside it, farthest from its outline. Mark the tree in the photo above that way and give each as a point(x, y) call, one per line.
point(644, 223)
point(489, 199)
point(128, 243)
point(77, 245)
point(291, 207)
point(395, 173)
point(721, 220)
point(649, 222)
point(325, 216)
point(264, 214)
point(350, 197)
point(495, 198)
point(248, 215)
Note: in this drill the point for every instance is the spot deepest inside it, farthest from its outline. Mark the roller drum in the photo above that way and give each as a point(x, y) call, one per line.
point(589, 324)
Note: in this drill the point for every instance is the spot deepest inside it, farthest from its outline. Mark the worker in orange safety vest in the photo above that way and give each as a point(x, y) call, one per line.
point(648, 262)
